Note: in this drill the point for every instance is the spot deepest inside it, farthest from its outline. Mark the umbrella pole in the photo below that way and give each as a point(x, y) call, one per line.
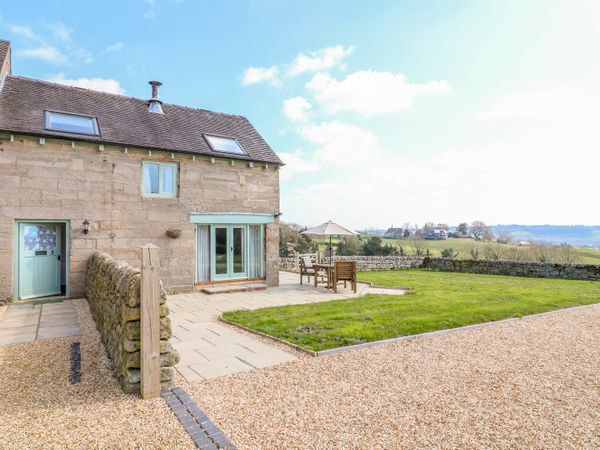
point(330, 251)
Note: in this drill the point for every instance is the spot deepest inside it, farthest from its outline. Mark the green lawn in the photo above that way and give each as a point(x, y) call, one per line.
point(438, 300)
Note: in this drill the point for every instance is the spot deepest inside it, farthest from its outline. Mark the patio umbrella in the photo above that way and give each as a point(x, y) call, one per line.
point(330, 229)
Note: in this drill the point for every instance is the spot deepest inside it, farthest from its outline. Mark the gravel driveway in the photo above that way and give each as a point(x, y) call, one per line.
point(39, 408)
point(528, 383)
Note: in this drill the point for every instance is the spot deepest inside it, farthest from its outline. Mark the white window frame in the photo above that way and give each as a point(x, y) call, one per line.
point(161, 193)
point(47, 123)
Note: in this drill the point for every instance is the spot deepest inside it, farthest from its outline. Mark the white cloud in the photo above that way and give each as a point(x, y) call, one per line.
point(61, 32)
point(296, 163)
point(544, 104)
point(96, 84)
point(114, 48)
point(151, 11)
point(370, 93)
point(341, 144)
point(323, 59)
point(537, 172)
point(24, 31)
point(254, 75)
point(45, 53)
point(296, 109)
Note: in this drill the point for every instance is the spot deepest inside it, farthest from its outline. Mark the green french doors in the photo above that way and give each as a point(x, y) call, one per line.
point(39, 260)
point(228, 255)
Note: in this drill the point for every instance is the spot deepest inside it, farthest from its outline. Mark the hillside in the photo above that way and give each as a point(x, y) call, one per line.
point(464, 246)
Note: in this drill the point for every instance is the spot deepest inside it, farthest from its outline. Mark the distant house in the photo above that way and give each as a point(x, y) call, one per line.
point(393, 233)
point(436, 234)
point(84, 171)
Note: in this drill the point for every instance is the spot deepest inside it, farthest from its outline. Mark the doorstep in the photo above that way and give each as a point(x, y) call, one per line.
point(227, 288)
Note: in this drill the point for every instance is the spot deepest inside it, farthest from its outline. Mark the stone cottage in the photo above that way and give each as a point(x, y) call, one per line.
point(82, 171)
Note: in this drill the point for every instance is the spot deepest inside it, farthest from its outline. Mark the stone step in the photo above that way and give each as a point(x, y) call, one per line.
point(232, 288)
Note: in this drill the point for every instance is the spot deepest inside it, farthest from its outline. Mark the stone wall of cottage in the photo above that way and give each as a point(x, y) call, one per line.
point(113, 292)
point(56, 181)
point(489, 267)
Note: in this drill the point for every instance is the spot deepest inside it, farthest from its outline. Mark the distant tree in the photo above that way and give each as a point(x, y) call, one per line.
point(290, 236)
point(306, 244)
point(474, 252)
point(463, 228)
point(428, 227)
point(480, 231)
point(349, 246)
point(406, 233)
point(373, 247)
point(505, 238)
point(442, 226)
point(417, 244)
point(449, 253)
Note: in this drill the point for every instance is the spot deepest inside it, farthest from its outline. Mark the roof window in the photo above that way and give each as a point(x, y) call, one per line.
point(71, 123)
point(223, 144)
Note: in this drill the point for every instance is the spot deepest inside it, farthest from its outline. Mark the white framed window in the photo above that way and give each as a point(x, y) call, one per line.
point(159, 179)
point(71, 123)
point(222, 144)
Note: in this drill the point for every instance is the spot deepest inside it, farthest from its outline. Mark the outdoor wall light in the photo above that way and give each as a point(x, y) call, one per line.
point(86, 226)
point(277, 214)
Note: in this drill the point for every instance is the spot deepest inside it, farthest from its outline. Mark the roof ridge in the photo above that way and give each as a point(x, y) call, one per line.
point(68, 86)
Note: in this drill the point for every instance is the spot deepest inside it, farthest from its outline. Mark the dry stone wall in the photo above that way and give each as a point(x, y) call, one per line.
point(364, 263)
point(113, 292)
point(482, 266)
point(515, 268)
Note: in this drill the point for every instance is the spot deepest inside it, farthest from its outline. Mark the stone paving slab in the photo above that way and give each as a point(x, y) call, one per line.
point(210, 349)
point(30, 322)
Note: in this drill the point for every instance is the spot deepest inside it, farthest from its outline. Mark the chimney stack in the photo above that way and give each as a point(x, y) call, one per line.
point(154, 103)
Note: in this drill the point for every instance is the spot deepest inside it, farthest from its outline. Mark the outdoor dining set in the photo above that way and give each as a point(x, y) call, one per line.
point(333, 272)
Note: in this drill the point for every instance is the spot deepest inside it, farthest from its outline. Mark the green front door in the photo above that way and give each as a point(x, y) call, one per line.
point(39, 260)
point(228, 258)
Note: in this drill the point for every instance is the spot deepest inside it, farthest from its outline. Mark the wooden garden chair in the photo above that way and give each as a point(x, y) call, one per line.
point(307, 269)
point(344, 271)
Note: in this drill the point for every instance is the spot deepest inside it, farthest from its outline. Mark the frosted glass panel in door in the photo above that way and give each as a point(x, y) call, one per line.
point(39, 260)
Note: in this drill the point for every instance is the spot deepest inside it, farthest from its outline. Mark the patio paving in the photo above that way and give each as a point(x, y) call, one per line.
point(210, 349)
point(32, 322)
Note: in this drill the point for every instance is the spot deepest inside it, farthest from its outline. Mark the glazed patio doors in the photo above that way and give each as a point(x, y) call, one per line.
point(228, 252)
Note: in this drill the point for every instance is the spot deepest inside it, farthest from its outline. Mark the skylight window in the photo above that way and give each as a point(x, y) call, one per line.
point(71, 123)
point(224, 145)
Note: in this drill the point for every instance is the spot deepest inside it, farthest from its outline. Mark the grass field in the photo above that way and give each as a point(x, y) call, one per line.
point(463, 246)
point(438, 300)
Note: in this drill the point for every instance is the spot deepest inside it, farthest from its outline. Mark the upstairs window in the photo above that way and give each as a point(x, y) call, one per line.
point(71, 123)
point(159, 179)
point(224, 145)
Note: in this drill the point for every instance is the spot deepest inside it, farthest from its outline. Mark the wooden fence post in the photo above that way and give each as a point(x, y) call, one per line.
point(150, 321)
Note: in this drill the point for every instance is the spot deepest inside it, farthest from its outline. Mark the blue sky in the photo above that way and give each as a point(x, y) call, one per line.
point(385, 112)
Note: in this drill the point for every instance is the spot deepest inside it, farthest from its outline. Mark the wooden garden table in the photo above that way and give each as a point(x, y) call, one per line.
point(328, 268)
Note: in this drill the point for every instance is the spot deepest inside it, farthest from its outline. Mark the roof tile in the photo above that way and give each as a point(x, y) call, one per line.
point(126, 120)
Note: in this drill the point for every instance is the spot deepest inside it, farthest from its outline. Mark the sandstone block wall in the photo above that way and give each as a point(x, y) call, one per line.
point(113, 292)
point(56, 181)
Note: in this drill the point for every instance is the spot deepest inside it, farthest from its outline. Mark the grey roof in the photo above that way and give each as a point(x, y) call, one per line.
point(126, 120)
point(4, 45)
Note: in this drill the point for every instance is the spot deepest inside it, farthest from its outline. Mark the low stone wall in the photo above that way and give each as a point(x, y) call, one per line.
point(364, 263)
point(113, 293)
point(515, 268)
point(483, 266)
